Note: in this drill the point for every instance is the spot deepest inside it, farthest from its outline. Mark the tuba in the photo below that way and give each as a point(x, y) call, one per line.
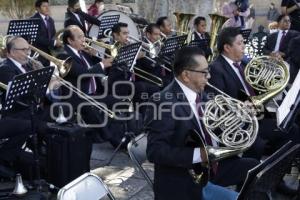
point(267, 75)
point(182, 23)
point(217, 22)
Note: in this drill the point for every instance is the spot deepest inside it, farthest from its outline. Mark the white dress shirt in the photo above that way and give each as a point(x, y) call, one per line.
point(191, 97)
point(230, 62)
point(279, 36)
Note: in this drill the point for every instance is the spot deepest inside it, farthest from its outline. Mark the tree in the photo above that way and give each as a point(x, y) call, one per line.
point(17, 9)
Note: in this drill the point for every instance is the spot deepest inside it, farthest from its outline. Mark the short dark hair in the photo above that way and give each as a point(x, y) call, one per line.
point(11, 42)
point(227, 36)
point(99, 1)
point(68, 34)
point(38, 3)
point(280, 17)
point(71, 3)
point(184, 59)
point(117, 27)
point(198, 20)
point(160, 21)
point(151, 27)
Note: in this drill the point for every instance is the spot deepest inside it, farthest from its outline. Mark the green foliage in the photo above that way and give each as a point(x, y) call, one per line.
point(17, 9)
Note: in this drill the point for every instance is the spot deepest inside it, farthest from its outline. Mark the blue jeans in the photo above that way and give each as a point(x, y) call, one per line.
point(215, 192)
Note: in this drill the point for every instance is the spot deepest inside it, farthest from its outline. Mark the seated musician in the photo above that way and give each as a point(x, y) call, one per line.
point(75, 16)
point(168, 121)
point(277, 43)
point(46, 37)
point(165, 27)
point(201, 34)
point(228, 76)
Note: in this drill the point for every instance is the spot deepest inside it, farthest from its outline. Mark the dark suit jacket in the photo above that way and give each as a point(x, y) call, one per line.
point(166, 146)
point(70, 19)
point(77, 69)
point(271, 42)
point(205, 48)
point(224, 78)
point(45, 42)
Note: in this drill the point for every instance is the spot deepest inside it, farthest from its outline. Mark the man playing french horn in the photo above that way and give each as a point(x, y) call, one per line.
point(180, 108)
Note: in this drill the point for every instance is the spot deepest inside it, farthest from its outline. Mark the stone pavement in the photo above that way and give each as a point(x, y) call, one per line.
point(125, 182)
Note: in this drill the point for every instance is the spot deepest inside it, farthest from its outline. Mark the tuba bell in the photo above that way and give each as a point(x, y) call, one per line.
point(182, 23)
point(19, 186)
point(217, 22)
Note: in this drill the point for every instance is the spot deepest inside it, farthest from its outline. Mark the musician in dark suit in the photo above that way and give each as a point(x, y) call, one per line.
point(201, 34)
point(294, 58)
point(227, 75)
point(165, 26)
point(277, 43)
point(45, 40)
point(75, 16)
point(171, 116)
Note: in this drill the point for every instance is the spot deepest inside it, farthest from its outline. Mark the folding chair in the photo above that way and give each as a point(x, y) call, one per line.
point(137, 152)
point(264, 178)
point(87, 186)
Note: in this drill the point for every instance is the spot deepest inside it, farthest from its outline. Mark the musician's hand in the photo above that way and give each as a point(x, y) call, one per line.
point(251, 107)
point(90, 51)
point(107, 62)
point(141, 55)
point(58, 43)
point(277, 55)
point(204, 158)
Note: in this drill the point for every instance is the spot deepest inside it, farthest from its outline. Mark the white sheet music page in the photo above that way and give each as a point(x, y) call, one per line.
point(288, 101)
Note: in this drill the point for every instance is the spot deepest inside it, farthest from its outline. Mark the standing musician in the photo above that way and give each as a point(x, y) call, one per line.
point(176, 111)
point(227, 75)
point(292, 8)
point(201, 34)
point(165, 26)
point(75, 16)
point(277, 43)
point(46, 36)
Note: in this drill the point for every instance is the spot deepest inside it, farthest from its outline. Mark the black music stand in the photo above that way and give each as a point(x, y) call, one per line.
point(170, 46)
point(127, 56)
point(264, 178)
point(27, 28)
point(246, 33)
point(202, 44)
point(29, 89)
point(107, 22)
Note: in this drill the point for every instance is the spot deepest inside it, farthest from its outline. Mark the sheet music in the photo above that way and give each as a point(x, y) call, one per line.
point(288, 101)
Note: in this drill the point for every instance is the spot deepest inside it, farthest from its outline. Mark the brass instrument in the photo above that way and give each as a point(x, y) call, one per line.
point(112, 48)
point(267, 75)
point(3, 86)
point(183, 20)
point(229, 122)
point(19, 189)
point(217, 22)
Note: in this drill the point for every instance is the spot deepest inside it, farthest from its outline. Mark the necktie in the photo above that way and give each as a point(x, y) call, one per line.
point(48, 26)
point(26, 68)
point(282, 39)
point(206, 135)
point(93, 86)
point(241, 71)
point(202, 36)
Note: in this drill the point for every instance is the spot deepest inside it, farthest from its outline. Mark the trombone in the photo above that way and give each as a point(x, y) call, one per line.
point(136, 71)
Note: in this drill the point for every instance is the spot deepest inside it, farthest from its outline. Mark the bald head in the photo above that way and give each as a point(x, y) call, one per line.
point(74, 37)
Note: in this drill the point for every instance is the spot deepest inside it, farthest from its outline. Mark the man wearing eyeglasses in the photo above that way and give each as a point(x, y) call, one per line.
point(170, 117)
point(277, 43)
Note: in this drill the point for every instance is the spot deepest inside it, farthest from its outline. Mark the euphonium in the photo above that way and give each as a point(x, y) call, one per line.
point(268, 76)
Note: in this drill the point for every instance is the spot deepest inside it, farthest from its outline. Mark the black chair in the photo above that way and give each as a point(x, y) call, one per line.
point(264, 178)
point(137, 152)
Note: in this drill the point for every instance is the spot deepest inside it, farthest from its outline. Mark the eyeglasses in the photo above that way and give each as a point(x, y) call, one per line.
point(205, 72)
point(27, 50)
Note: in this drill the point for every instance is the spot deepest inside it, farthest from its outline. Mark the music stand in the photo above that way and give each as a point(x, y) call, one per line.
point(246, 33)
point(28, 89)
point(107, 22)
point(287, 111)
point(202, 44)
point(127, 56)
point(27, 28)
point(266, 176)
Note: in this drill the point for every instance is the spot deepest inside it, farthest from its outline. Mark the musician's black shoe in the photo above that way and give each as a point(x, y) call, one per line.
point(285, 189)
